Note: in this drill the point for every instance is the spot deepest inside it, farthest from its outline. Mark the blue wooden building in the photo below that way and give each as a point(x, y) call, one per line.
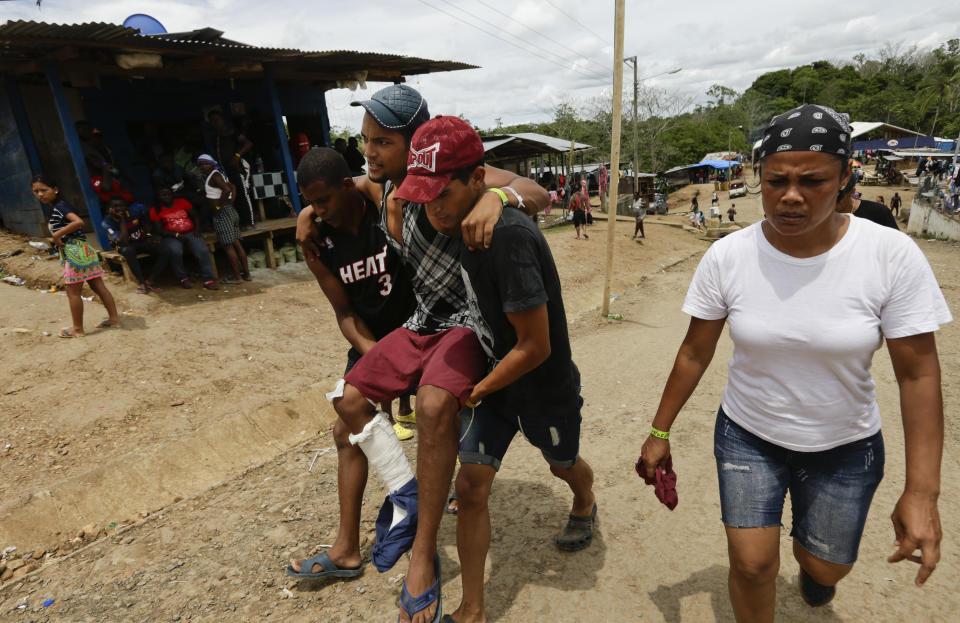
point(146, 93)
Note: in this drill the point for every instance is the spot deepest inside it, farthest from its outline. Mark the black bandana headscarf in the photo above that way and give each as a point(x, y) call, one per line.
point(808, 128)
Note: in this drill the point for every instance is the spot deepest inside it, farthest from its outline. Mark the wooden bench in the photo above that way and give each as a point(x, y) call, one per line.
point(265, 228)
point(111, 257)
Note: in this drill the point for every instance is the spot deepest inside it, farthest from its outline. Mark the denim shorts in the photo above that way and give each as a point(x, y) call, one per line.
point(486, 432)
point(830, 491)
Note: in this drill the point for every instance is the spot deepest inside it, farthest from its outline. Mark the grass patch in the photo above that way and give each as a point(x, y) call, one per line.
point(558, 228)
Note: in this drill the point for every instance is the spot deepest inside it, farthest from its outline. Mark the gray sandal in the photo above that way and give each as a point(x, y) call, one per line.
point(328, 569)
point(578, 533)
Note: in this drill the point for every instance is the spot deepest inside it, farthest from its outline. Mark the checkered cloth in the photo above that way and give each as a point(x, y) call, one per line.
point(434, 264)
point(267, 185)
point(226, 222)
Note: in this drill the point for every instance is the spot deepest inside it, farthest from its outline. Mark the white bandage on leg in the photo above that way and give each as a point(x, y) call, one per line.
point(337, 391)
point(379, 443)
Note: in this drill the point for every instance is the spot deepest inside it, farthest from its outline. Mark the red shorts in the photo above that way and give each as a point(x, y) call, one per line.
point(451, 359)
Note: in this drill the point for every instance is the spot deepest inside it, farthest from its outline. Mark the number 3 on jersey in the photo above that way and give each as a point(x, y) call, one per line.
point(386, 285)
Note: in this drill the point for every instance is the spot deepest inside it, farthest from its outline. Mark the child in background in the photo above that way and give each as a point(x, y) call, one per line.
point(695, 218)
point(79, 259)
point(732, 212)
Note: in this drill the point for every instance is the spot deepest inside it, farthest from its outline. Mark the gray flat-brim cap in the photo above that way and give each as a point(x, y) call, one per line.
point(396, 107)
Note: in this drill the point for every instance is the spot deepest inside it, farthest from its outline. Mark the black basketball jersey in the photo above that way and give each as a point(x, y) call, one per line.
point(371, 272)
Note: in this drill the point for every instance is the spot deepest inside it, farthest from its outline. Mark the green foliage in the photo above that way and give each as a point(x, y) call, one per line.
point(918, 90)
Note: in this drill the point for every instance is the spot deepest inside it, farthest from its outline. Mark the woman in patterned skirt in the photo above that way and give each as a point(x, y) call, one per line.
point(226, 222)
point(79, 259)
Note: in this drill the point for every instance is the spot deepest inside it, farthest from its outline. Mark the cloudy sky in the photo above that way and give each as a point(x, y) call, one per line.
point(536, 53)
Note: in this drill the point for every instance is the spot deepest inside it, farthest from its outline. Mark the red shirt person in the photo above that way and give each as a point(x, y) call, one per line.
point(176, 224)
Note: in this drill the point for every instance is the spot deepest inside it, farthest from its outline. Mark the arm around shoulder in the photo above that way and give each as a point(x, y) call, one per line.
point(535, 197)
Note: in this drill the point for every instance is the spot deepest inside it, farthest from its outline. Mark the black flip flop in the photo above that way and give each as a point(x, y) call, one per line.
point(447, 509)
point(578, 533)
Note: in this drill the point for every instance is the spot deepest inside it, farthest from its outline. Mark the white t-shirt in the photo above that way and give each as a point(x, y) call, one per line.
point(640, 209)
point(804, 330)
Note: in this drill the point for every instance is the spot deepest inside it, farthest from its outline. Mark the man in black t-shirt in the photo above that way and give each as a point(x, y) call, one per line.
point(514, 295)
point(870, 210)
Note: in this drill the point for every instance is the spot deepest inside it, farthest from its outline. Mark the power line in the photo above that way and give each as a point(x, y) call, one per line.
point(530, 28)
point(528, 43)
point(578, 22)
point(519, 47)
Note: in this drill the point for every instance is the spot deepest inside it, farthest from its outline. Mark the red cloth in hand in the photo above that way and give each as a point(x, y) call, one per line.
point(664, 482)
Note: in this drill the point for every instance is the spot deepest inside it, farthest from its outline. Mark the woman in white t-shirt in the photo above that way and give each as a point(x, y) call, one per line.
point(810, 295)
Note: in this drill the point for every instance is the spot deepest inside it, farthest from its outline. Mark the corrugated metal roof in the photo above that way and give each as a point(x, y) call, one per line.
point(553, 142)
point(23, 36)
point(534, 141)
point(493, 143)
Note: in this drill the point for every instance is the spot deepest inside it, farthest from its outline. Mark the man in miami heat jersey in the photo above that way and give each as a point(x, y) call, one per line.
point(360, 274)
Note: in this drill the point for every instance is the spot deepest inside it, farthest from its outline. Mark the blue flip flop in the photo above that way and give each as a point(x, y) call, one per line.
point(329, 569)
point(392, 543)
point(412, 605)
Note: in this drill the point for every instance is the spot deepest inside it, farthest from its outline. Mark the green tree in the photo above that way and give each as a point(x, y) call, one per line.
point(943, 81)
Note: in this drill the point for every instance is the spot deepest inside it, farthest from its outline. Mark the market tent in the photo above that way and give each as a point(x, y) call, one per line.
point(718, 164)
point(921, 153)
point(909, 142)
point(513, 151)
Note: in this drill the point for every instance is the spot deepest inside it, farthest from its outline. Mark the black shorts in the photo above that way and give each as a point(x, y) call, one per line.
point(579, 217)
point(486, 433)
point(353, 356)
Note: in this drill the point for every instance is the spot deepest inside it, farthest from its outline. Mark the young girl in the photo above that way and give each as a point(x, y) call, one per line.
point(79, 259)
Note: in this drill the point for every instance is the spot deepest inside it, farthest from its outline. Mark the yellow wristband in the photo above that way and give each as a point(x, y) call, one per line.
point(474, 405)
point(501, 194)
point(659, 434)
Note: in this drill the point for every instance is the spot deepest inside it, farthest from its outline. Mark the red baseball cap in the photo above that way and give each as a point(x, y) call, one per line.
point(439, 148)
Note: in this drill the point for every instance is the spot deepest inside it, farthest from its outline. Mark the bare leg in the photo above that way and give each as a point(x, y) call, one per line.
point(580, 479)
point(351, 480)
point(754, 562)
point(438, 428)
point(234, 260)
point(823, 572)
point(106, 298)
point(473, 538)
point(74, 291)
point(242, 256)
point(404, 407)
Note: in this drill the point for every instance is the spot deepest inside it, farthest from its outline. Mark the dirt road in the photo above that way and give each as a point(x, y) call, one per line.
point(248, 504)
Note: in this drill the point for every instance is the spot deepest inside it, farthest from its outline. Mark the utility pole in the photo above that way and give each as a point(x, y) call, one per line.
point(636, 94)
point(614, 150)
point(636, 89)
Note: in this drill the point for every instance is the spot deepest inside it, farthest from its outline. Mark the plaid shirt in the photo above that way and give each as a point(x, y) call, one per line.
point(433, 262)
